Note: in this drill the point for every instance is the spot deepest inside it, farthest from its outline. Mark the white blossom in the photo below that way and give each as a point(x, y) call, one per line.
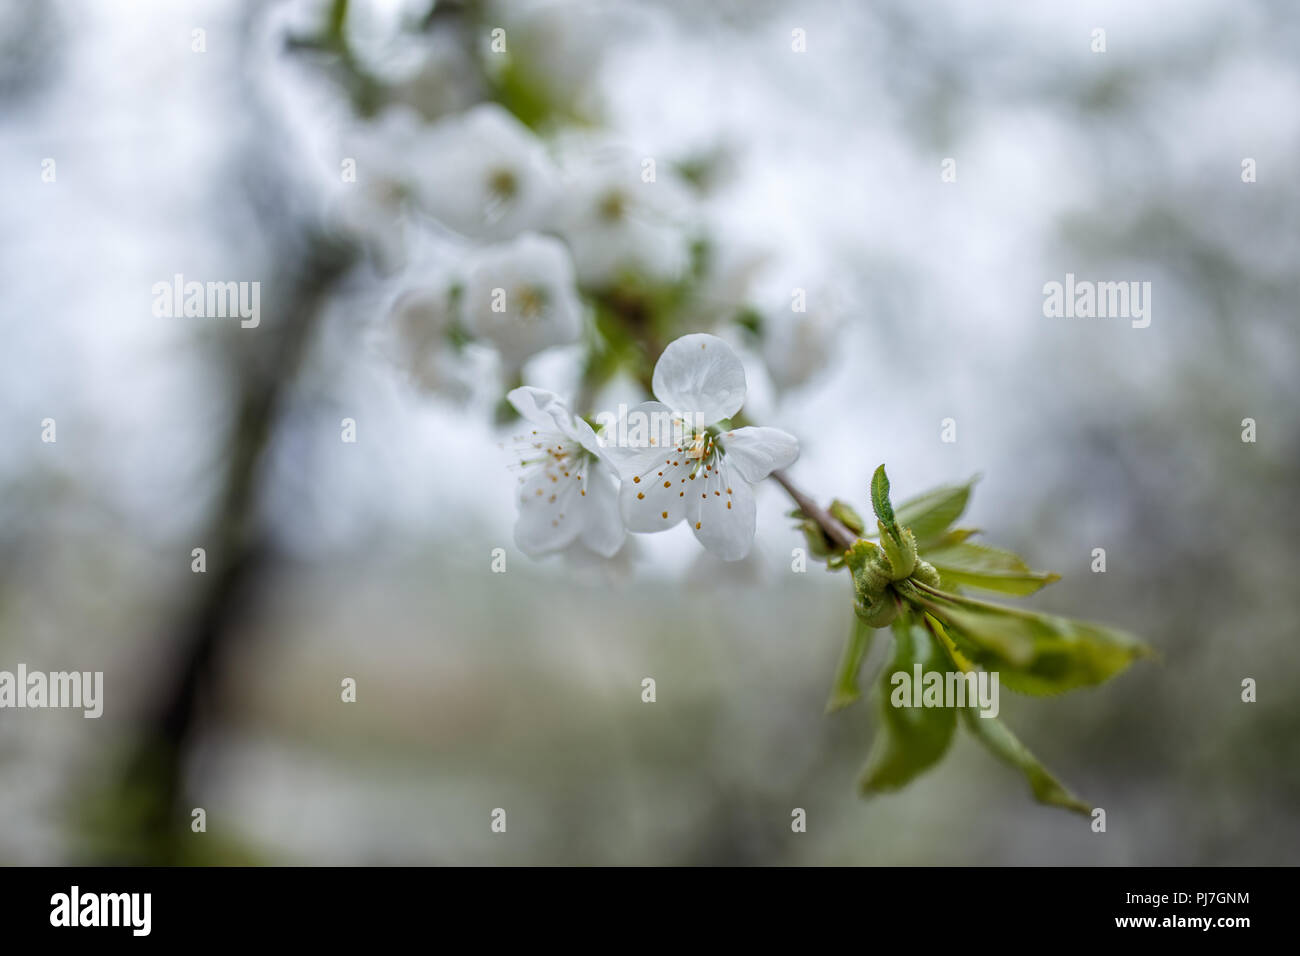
point(556, 48)
point(520, 297)
point(797, 346)
point(617, 223)
point(444, 80)
point(380, 184)
point(568, 492)
point(423, 323)
point(485, 175)
point(700, 471)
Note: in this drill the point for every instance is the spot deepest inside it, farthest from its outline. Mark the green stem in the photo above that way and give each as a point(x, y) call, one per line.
point(856, 648)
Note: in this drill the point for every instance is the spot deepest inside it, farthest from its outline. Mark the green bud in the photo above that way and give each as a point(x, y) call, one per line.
point(816, 538)
point(878, 613)
point(845, 515)
point(870, 569)
point(925, 573)
point(900, 551)
point(862, 551)
point(872, 600)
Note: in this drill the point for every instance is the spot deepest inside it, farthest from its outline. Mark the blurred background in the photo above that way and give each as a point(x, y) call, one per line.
point(217, 155)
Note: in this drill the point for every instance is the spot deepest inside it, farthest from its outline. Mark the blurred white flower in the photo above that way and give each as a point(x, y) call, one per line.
point(730, 268)
point(520, 296)
point(377, 182)
point(556, 47)
point(445, 79)
point(569, 492)
point(616, 223)
point(706, 476)
point(423, 320)
point(797, 346)
point(485, 175)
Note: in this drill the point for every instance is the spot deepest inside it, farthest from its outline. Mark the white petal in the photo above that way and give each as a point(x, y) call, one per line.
point(543, 409)
point(757, 452)
point(722, 514)
point(700, 374)
point(636, 441)
point(583, 434)
point(549, 516)
point(602, 520)
point(656, 499)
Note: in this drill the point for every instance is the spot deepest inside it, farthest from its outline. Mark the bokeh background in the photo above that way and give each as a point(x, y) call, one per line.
point(523, 690)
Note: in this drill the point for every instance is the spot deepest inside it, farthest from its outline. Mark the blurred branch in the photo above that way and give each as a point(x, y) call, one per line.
point(146, 815)
point(832, 526)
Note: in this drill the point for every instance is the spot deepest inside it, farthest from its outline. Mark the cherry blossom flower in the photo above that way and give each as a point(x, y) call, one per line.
point(486, 176)
point(423, 323)
point(569, 492)
point(797, 346)
point(617, 224)
point(374, 207)
point(700, 471)
point(557, 47)
point(520, 296)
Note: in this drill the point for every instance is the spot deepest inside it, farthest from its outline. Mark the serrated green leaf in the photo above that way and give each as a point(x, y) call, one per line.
point(931, 514)
point(969, 556)
point(990, 569)
point(1016, 585)
point(910, 739)
point(999, 740)
point(880, 499)
point(846, 691)
point(1006, 746)
point(955, 653)
point(1033, 653)
point(982, 634)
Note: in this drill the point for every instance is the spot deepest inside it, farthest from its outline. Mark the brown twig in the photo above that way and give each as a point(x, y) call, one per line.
point(830, 525)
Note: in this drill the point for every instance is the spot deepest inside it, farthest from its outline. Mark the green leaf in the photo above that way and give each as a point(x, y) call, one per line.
point(910, 739)
point(845, 691)
point(955, 536)
point(955, 654)
point(843, 512)
point(993, 734)
point(880, 499)
point(991, 569)
point(1033, 653)
point(969, 556)
point(931, 514)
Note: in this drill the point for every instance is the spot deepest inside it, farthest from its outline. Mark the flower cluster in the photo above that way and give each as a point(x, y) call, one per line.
point(507, 221)
point(703, 473)
point(545, 233)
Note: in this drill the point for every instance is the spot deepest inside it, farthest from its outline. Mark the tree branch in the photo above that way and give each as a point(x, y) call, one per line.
point(830, 525)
